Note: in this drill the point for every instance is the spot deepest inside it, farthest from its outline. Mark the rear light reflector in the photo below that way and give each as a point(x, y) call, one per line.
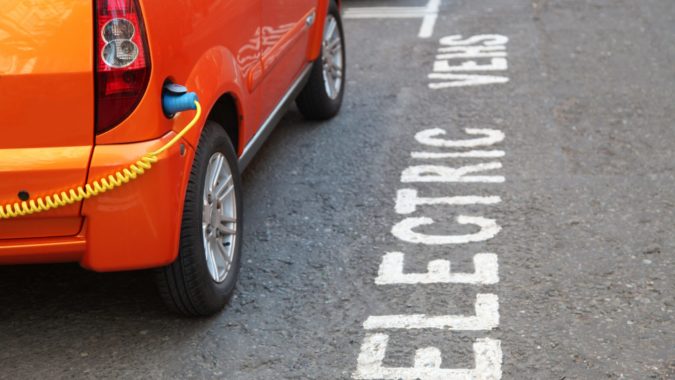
point(122, 61)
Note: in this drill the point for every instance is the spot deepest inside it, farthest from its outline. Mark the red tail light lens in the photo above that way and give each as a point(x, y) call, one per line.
point(122, 61)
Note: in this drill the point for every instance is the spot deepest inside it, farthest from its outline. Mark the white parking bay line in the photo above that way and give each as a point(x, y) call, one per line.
point(428, 14)
point(427, 28)
point(385, 12)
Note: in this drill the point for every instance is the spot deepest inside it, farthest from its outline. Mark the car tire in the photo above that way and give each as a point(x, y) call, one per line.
point(321, 98)
point(190, 285)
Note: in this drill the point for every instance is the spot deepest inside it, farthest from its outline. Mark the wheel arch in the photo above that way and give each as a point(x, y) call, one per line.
point(316, 36)
point(226, 112)
point(215, 79)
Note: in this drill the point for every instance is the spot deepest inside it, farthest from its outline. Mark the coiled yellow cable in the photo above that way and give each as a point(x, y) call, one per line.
point(100, 186)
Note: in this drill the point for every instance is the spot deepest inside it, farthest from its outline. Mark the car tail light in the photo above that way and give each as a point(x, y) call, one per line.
point(122, 61)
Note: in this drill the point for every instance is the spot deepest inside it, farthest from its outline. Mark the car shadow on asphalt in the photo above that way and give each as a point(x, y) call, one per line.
point(28, 291)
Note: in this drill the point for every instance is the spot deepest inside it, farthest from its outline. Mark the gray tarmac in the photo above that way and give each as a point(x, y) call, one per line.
point(586, 251)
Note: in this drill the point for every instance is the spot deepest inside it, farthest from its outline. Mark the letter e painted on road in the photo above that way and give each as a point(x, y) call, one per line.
point(438, 271)
point(403, 230)
point(427, 364)
point(486, 318)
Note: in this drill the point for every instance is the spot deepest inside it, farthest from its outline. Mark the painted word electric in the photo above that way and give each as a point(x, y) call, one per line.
point(436, 162)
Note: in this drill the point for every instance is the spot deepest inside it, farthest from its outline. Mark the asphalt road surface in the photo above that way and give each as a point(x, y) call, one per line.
point(528, 143)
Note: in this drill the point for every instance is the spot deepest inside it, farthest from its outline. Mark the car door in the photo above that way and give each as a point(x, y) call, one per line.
point(285, 38)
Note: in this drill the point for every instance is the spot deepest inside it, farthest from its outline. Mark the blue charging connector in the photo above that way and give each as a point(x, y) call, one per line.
point(176, 98)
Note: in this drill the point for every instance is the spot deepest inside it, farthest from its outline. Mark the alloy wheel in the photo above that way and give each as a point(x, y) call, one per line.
point(332, 58)
point(219, 217)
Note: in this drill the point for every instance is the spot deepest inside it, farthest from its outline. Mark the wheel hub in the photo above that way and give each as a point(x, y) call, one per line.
point(332, 58)
point(219, 217)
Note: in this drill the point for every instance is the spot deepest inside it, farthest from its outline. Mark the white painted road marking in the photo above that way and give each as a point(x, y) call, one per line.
point(403, 230)
point(438, 271)
point(486, 318)
point(454, 52)
point(496, 64)
point(488, 353)
point(427, 364)
point(439, 173)
point(384, 12)
point(407, 201)
point(463, 80)
point(449, 72)
point(469, 154)
point(428, 14)
point(427, 28)
point(431, 137)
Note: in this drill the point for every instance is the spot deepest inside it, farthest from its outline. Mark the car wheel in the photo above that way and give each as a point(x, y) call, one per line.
point(203, 277)
point(322, 96)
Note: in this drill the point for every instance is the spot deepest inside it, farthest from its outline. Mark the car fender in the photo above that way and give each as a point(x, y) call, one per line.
point(214, 74)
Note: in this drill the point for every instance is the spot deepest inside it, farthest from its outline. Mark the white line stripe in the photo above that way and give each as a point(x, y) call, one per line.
point(385, 12)
point(469, 154)
point(427, 363)
point(439, 173)
point(486, 318)
point(432, 137)
point(427, 28)
point(428, 13)
point(403, 230)
point(391, 271)
point(385, 9)
point(407, 200)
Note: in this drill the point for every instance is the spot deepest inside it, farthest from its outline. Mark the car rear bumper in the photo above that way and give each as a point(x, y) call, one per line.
point(135, 226)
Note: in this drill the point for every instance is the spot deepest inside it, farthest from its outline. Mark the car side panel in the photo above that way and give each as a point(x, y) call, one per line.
point(212, 48)
point(285, 38)
point(188, 41)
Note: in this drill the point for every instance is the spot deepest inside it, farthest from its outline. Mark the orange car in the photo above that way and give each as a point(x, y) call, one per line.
point(83, 97)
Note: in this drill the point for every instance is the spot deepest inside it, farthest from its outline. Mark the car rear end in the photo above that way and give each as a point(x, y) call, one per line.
point(70, 73)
